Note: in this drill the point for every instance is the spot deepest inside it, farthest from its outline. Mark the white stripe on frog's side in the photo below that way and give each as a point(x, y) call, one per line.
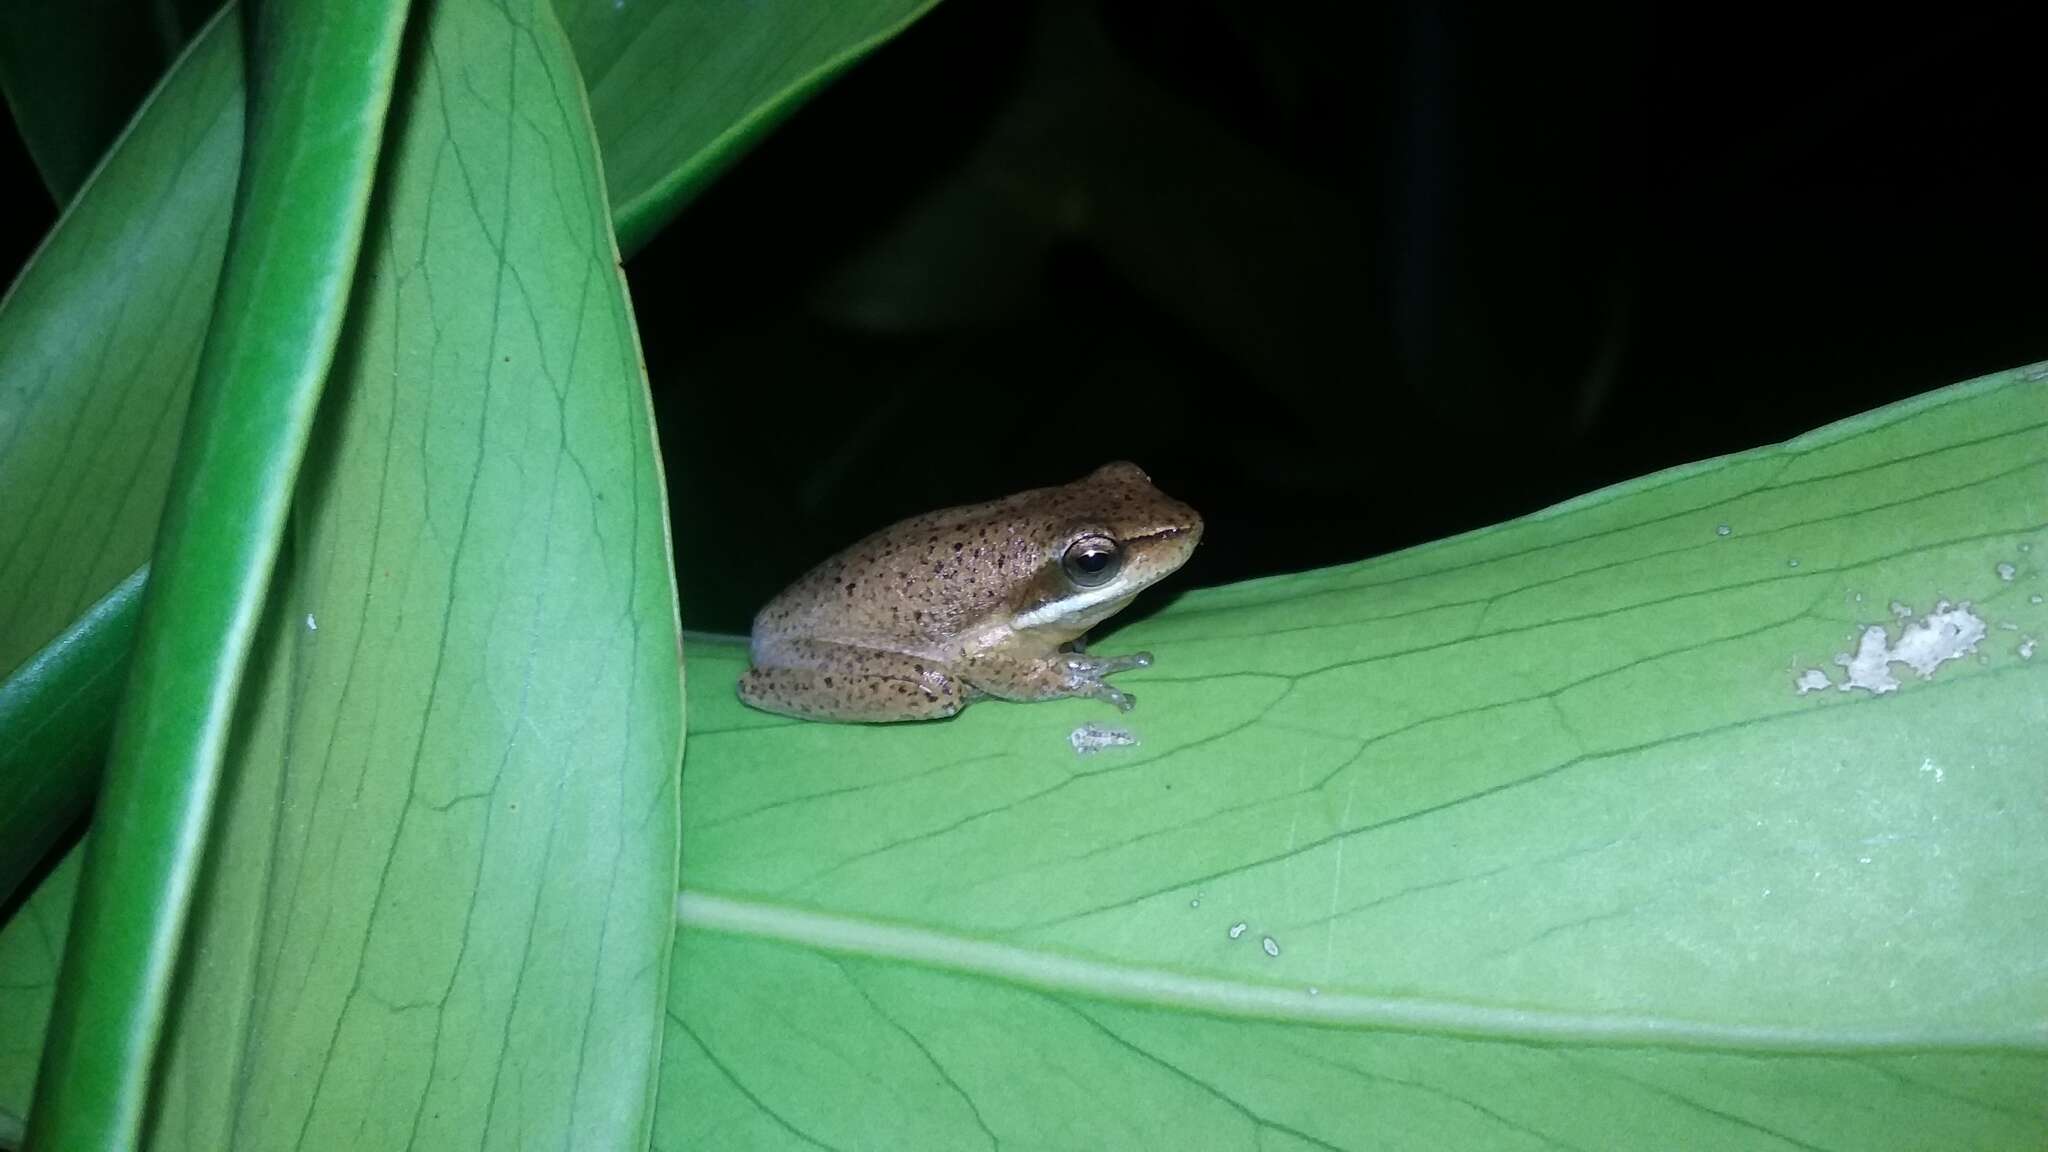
point(1071, 606)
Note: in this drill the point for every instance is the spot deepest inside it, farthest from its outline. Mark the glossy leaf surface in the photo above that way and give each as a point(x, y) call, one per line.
point(53, 722)
point(322, 80)
point(99, 339)
point(73, 566)
point(445, 923)
point(1530, 837)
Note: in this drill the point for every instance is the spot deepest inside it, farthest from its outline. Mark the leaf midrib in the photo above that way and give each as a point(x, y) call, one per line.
point(1049, 971)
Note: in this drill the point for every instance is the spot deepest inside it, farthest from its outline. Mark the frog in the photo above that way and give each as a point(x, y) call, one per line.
point(988, 600)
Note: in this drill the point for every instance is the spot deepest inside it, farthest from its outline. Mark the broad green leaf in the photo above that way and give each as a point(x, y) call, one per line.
point(680, 90)
point(74, 73)
point(106, 326)
point(793, 1047)
point(440, 904)
point(99, 339)
point(323, 78)
point(1527, 837)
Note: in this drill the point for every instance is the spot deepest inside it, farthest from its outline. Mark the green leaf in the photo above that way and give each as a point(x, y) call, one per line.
point(682, 89)
point(526, 567)
point(31, 949)
point(53, 726)
point(1549, 845)
point(323, 79)
point(75, 72)
point(447, 921)
point(99, 340)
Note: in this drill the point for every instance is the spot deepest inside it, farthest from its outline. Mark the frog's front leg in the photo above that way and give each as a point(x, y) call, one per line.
point(821, 680)
point(1061, 674)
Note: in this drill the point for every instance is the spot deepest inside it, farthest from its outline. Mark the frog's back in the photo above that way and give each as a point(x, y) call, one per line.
point(916, 581)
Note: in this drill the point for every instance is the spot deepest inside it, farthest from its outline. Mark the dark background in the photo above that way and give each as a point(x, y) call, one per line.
point(1345, 277)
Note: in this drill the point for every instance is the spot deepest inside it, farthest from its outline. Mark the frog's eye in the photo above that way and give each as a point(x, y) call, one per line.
point(1092, 561)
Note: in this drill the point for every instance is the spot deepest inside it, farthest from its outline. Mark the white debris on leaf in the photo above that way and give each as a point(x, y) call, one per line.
point(1237, 929)
point(2026, 648)
point(1902, 611)
point(1722, 530)
point(1927, 764)
point(1947, 633)
point(1091, 738)
point(310, 625)
point(1271, 946)
point(1814, 680)
point(2006, 572)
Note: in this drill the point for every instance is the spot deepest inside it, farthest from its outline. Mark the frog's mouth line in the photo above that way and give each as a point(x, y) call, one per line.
point(1162, 534)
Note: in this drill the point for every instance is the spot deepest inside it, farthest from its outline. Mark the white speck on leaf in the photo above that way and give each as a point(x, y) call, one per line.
point(1237, 929)
point(1195, 903)
point(2006, 572)
point(1792, 563)
point(1927, 764)
point(2034, 599)
point(2026, 648)
point(1947, 633)
point(1272, 948)
point(1863, 859)
point(1091, 738)
point(1314, 991)
point(1814, 680)
point(310, 625)
point(1722, 530)
point(1902, 611)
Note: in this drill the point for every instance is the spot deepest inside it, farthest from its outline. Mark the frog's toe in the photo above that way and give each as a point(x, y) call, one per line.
point(1096, 667)
point(1107, 693)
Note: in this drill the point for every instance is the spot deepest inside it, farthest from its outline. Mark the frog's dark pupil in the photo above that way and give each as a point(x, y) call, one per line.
point(1091, 562)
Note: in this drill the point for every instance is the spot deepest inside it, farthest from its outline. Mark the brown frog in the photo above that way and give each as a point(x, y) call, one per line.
point(918, 619)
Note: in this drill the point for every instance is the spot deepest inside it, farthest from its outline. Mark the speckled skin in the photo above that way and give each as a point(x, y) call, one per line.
point(922, 617)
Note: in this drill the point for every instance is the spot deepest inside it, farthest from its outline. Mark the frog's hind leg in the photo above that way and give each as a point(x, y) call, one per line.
point(862, 685)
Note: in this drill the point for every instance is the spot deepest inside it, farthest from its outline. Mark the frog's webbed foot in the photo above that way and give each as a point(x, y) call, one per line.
point(1086, 676)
